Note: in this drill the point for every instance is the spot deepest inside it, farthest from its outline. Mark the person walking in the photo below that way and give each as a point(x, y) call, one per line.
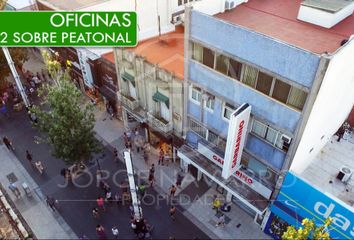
point(8, 143)
point(179, 180)
point(173, 190)
point(101, 232)
point(39, 167)
point(29, 157)
point(115, 232)
point(221, 220)
point(50, 202)
point(95, 213)
point(173, 212)
point(142, 189)
point(161, 156)
point(15, 190)
point(100, 203)
point(216, 204)
point(115, 152)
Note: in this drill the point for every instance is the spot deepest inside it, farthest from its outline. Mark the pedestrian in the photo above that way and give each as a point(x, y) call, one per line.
point(129, 134)
point(115, 152)
point(142, 189)
point(95, 213)
point(109, 196)
point(15, 190)
point(8, 143)
point(216, 204)
point(129, 145)
point(39, 167)
point(173, 190)
point(115, 232)
point(100, 203)
point(29, 157)
point(152, 169)
point(151, 179)
point(51, 202)
point(131, 208)
point(179, 180)
point(101, 232)
point(145, 155)
point(221, 221)
point(173, 212)
point(161, 156)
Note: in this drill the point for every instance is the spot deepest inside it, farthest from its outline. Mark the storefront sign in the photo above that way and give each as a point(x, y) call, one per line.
point(252, 183)
point(298, 199)
point(236, 139)
point(244, 178)
point(210, 154)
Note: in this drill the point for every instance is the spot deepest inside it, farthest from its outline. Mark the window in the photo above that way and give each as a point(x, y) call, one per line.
point(222, 63)
point(264, 83)
point(250, 76)
point(297, 98)
point(234, 70)
point(197, 52)
point(180, 2)
point(260, 169)
point(271, 135)
point(196, 95)
point(197, 128)
point(281, 91)
point(208, 57)
point(210, 102)
point(213, 137)
point(228, 110)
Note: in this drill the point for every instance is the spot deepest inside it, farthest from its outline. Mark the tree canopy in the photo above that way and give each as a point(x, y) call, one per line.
point(308, 230)
point(65, 118)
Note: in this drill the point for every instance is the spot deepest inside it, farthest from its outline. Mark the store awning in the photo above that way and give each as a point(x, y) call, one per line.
point(159, 97)
point(127, 77)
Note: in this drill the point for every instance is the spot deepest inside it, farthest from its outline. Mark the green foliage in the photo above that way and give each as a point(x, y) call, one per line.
point(308, 230)
point(19, 56)
point(2, 4)
point(66, 119)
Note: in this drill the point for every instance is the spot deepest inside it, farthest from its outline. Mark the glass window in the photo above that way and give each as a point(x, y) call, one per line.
point(250, 76)
point(222, 144)
point(210, 102)
point(179, 2)
point(259, 128)
point(234, 69)
point(212, 137)
point(281, 91)
point(271, 135)
point(197, 52)
point(264, 83)
point(197, 128)
point(297, 98)
point(208, 57)
point(196, 94)
point(222, 63)
point(228, 110)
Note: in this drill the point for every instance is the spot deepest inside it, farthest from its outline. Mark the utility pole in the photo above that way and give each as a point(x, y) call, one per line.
point(15, 75)
point(133, 189)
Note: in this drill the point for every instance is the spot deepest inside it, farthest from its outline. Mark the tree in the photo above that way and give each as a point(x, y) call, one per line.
point(308, 230)
point(65, 118)
point(19, 56)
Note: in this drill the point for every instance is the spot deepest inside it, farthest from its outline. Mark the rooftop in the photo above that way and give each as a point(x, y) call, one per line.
point(167, 51)
point(278, 19)
point(323, 171)
point(70, 5)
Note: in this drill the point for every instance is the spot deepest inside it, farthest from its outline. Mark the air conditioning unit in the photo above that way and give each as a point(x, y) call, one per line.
point(286, 139)
point(344, 174)
point(230, 4)
point(176, 19)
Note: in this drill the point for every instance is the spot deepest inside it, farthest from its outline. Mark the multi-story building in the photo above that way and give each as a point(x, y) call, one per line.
point(287, 70)
point(151, 88)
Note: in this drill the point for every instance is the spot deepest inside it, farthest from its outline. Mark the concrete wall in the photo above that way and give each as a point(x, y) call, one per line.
point(331, 108)
point(237, 93)
point(255, 48)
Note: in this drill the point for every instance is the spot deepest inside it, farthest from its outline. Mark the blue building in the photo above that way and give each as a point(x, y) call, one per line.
point(261, 55)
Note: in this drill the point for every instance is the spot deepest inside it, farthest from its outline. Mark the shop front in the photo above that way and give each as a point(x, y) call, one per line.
point(298, 200)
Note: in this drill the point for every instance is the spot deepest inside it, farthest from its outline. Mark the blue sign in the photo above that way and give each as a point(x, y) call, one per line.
point(298, 200)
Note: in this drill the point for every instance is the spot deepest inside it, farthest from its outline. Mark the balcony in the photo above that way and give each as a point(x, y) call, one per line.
point(128, 101)
point(159, 123)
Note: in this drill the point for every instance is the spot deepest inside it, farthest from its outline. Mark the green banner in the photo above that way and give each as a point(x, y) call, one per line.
point(68, 29)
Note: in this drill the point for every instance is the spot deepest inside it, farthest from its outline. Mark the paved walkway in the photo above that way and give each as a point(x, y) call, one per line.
point(43, 222)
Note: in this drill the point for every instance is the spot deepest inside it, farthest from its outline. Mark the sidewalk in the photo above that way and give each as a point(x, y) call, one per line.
point(194, 198)
point(43, 222)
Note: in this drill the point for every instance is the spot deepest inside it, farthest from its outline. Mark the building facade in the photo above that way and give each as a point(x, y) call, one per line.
point(150, 77)
point(282, 79)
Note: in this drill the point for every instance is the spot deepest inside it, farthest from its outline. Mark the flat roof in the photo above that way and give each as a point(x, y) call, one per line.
point(278, 19)
point(20, 4)
point(167, 51)
point(327, 5)
point(323, 170)
point(72, 4)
